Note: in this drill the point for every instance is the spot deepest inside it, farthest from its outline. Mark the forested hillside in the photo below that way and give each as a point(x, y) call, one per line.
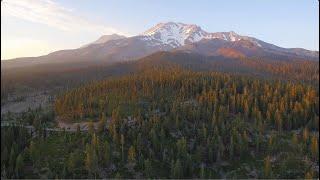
point(48, 77)
point(176, 123)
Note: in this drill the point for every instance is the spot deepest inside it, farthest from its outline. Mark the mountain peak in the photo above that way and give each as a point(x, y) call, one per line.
point(105, 38)
point(169, 26)
point(175, 34)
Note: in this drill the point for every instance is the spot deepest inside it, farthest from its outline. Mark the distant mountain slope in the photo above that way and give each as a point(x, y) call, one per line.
point(297, 70)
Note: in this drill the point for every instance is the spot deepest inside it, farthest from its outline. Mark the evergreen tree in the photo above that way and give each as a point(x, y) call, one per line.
point(107, 153)
point(267, 167)
point(102, 123)
point(19, 165)
point(202, 172)
point(90, 127)
point(131, 154)
point(91, 160)
point(177, 171)
point(147, 168)
point(12, 160)
point(72, 162)
point(314, 147)
point(122, 148)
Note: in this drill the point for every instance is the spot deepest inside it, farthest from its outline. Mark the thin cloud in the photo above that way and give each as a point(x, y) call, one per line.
point(52, 14)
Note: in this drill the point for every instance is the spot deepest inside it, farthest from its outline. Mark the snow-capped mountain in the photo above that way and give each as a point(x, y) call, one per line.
point(179, 34)
point(173, 36)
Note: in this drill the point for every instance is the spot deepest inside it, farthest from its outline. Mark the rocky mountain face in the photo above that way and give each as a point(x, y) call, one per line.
point(184, 36)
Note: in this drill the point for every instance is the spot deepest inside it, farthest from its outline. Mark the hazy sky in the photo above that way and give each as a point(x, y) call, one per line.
point(38, 27)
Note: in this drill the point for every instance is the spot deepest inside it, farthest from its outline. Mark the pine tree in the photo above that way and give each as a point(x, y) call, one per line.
point(305, 134)
point(139, 144)
point(19, 165)
point(107, 153)
point(258, 141)
point(72, 162)
point(88, 159)
point(231, 148)
point(131, 154)
point(278, 120)
point(122, 148)
point(95, 141)
point(267, 167)
point(91, 160)
point(177, 171)
point(182, 147)
point(33, 151)
point(12, 160)
point(314, 147)
point(90, 128)
point(309, 175)
point(4, 155)
point(78, 129)
point(102, 123)
point(172, 169)
point(202, 172)
point(148, 168)
point(294, 139)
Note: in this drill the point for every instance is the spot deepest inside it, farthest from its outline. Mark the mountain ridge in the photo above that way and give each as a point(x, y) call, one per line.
point(104, 39)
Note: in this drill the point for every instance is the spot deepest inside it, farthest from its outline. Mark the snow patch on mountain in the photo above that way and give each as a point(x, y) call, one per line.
point(175, 34)
point(179, 34)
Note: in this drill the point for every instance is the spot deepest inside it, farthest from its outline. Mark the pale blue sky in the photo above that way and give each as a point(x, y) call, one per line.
point(37, 27)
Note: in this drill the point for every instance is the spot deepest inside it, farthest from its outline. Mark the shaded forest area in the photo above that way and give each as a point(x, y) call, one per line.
point(56, 77)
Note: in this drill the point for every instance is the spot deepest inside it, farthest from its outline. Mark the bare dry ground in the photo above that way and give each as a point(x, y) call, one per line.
point(22, 102)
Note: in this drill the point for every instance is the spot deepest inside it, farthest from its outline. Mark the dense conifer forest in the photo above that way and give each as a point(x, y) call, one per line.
point(172, 123)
